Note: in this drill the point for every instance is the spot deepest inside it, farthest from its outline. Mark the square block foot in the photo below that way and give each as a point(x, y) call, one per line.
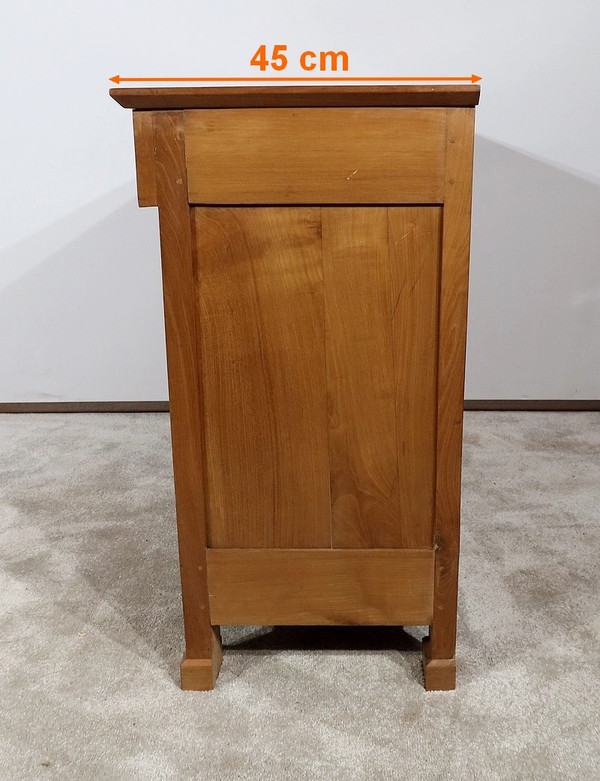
point(199, 675)
point(440, 674)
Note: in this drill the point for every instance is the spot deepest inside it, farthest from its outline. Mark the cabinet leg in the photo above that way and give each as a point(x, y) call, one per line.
point(440, 674)
point(200, 673)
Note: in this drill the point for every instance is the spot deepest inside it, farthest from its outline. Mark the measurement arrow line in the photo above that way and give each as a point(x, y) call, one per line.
point(118, 79)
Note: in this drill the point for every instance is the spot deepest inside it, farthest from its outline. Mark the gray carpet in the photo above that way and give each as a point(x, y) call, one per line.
point(91, 635)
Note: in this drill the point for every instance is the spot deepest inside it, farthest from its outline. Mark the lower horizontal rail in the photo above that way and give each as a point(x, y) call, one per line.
point(278, 586)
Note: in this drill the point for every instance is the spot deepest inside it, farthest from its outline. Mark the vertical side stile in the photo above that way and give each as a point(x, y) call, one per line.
point(203, 652)
point(451, 347)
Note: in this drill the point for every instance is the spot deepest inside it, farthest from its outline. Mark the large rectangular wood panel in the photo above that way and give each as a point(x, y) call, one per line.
point(327, 155)
point(317, 331)
point(382, 587)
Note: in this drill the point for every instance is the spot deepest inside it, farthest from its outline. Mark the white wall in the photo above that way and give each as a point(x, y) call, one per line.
point(80, 289)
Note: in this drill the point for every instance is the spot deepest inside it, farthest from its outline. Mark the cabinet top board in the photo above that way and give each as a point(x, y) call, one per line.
point(155, 98)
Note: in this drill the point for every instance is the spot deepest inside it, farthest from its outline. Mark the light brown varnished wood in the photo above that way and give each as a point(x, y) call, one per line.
point(316, 356)
point(360, 378)
point(201, 674)
point(440, 674)
point(414, 241)
point(381, 269)
point(267, 586)
point(295, 96)
point(144, 137)
point(260, 294)
point(290, 329)
point(341, 155)
point(184, 388)
point(451, 365)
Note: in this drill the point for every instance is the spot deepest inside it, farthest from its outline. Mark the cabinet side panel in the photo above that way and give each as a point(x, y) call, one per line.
point(360, 378)
point(414, 242)
point(260, 296)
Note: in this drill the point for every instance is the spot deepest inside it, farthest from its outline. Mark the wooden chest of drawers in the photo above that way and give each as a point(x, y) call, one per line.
point(315, 247)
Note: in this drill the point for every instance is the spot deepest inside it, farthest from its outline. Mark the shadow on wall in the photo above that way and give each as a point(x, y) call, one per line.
point(84, 320)
point(534, 309)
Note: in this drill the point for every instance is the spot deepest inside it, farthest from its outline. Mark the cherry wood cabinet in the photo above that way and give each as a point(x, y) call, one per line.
point(315, 248)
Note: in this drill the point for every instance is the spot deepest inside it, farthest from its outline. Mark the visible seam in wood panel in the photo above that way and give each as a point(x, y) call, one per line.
point(393, 307)
point(326, 369)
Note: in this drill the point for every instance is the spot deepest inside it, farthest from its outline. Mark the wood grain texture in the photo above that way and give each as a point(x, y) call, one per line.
point(263, 367)
point(379, 155)
point(382, 587)
point(315, 353)
point(143, 134)
point(290, 96)
point(360, 378)
point(439, 674)
point(290, 329)
point(201, 674)
point(184, 388)
point(415, 249)
point(451, 370)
